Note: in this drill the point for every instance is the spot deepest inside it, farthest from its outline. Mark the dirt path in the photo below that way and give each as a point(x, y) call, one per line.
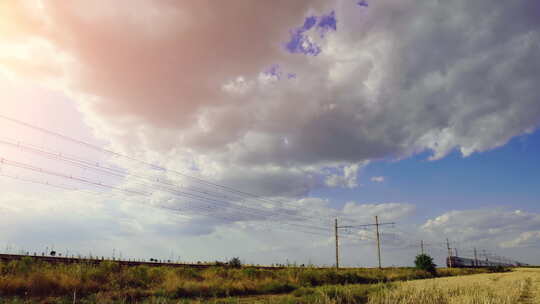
point(535, 288)
point(526, 296)
point(531, 289)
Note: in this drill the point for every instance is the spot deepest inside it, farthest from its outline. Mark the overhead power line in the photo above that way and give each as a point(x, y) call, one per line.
point(152, 166)
point(142, 162)
point(3, 161)
point(200, 209)
point(97, 167)
point(208, 199)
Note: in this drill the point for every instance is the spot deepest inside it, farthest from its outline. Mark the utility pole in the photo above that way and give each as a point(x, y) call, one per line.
point(377, 224)
point(378, 240)
point(475, 258)
point(449, 253)
point(422, 246)
point(337, 244)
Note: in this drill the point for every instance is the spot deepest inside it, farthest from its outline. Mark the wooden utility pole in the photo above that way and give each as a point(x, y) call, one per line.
point(475, 258)
point(449, 253)
point(337, 244)
point(378, 241)
point(422, 246)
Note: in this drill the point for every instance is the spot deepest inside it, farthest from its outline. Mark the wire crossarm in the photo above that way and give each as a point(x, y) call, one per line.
point(366, 225)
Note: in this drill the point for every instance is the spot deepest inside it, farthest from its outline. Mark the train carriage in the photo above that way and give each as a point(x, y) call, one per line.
point(459, 262)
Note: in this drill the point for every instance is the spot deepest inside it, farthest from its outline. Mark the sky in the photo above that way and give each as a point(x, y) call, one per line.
point(201, 131)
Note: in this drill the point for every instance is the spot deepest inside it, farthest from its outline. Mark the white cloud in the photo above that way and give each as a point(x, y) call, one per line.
point(347, 180)
point(493, 226)
point(377, 179)
point(525, 239)
point(386, 211)
point(87, 223)
point(180, 84)
point(378, 89)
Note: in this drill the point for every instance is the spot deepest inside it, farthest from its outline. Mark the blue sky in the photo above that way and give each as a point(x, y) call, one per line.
point(505, 176)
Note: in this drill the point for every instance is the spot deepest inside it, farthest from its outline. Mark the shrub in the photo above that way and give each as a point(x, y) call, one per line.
point(235, 263)
point(253, 273)
point(41, 284)
point(137, 277)
point(310, 277)
point(189, 274)
point(102, 273)
point(23, 266)
point(425, 262)
point(277, 287)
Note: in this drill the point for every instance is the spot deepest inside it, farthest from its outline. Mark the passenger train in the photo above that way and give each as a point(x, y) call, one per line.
point(459, 262)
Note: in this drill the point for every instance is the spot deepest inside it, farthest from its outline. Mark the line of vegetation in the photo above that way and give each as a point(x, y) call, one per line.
point(28, 278)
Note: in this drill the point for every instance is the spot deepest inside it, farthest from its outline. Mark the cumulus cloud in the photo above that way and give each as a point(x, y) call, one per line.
point(495, 226)
point(187, 79)
point(525, 239)
point(200, 87)
point(347, 180)
point(89, 224)
point(387, 211)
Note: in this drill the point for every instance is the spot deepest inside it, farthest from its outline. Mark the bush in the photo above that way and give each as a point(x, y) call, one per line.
point(137, 277)
point(235, 263)
point(23, 266)
point(189, 274)
point(103, 273)
point(252, 273)
point(425, 262)
point(41, 284)
point(277, 287)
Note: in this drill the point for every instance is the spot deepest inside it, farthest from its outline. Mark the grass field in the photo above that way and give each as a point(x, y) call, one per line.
point(30, 281)
point(521, 286)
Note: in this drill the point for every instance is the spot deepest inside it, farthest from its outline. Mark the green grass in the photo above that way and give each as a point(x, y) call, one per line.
point(29, 279)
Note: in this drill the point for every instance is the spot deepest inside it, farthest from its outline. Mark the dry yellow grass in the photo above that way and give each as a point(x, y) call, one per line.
point(30, 280)
point(519, 286)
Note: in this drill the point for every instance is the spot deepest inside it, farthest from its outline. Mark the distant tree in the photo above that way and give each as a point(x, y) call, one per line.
point(219, 263)
point(425, 262)
point(235, 263)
